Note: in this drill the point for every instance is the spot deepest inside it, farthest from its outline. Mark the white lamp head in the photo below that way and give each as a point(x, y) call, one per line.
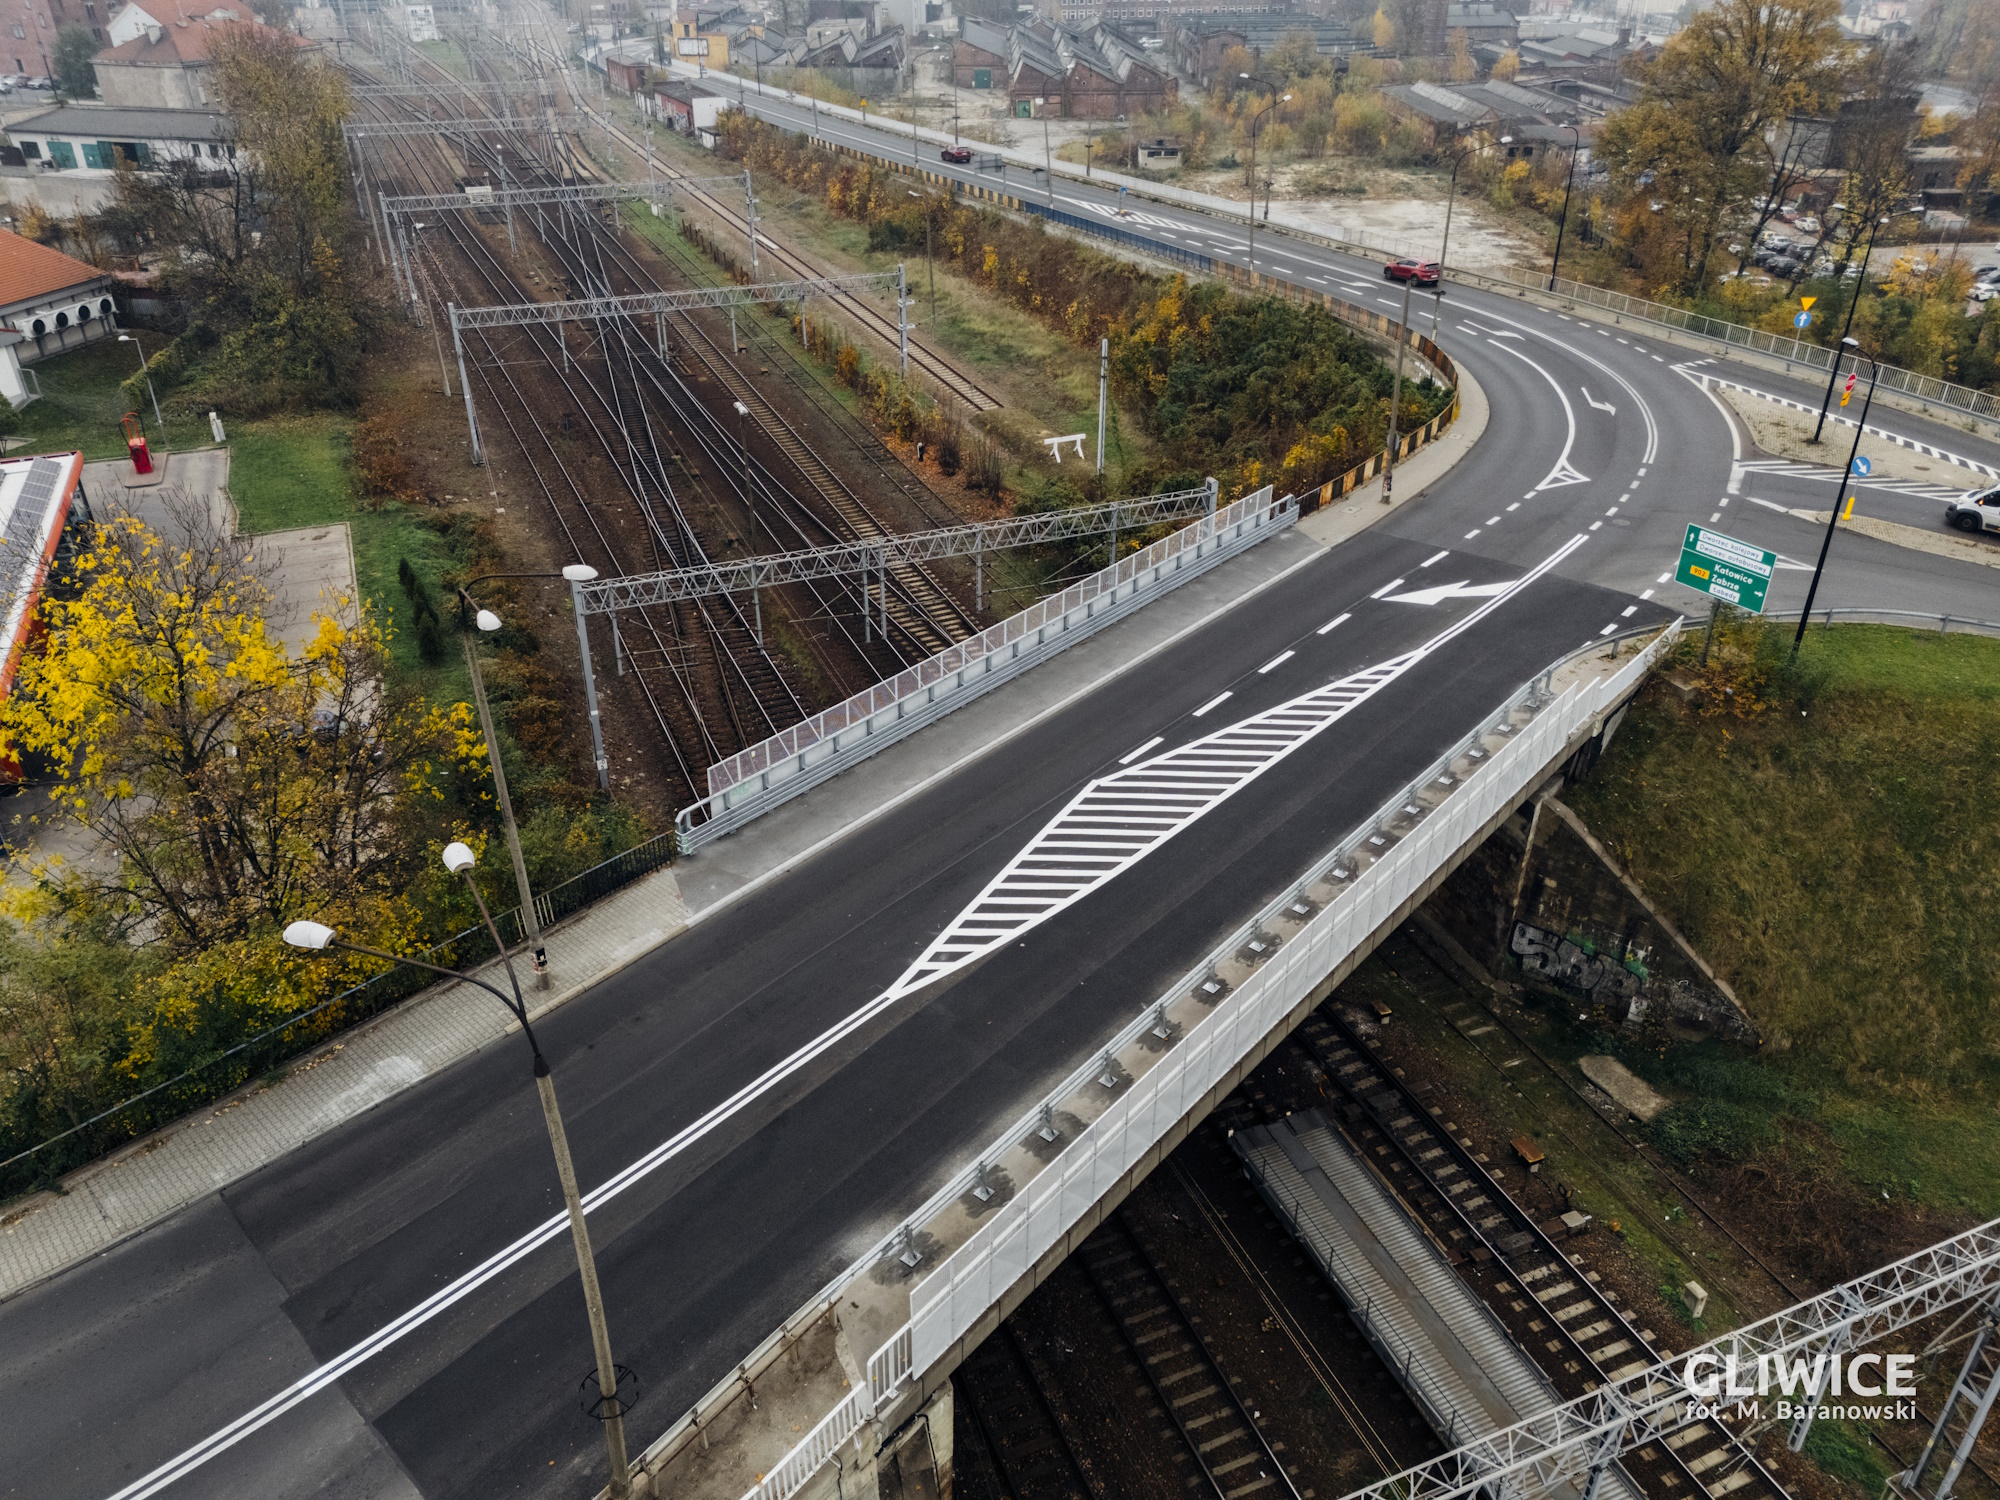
point(579, 572)
point(309, 935)
point(458, 859)
point(487, 621)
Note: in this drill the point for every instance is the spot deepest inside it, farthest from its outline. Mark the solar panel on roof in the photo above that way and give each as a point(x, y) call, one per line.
point(26, 522)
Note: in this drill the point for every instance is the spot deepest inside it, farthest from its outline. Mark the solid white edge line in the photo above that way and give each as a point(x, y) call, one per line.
point(1131, 755)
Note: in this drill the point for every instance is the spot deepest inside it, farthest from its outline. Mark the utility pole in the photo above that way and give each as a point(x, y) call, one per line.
point(1396, 399)
point(1575, 145)
point(750, 208)
point(902, 321)
point(1048, 155)
point(1103, 383)
point(464, 385)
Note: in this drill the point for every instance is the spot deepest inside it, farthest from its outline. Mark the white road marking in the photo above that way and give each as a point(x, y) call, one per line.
point(1612, 512)
point(1714, 518)
point(1275, 662)
point(1664, 578)
point(1628, 611)
point(1463, 589)
point(1515, 506)
point(1646, 594)
point(1594, 525)
point(1220, 698)
point(1645, 409)
point(1436, 557)
point(1387, 588)
point(1329, 625)
point(1472, 533)
point(1131, 755)
point(1563, 473)
point(1595, 404)
point(1785, 510)
point(1609, 628)
point(1492, 520)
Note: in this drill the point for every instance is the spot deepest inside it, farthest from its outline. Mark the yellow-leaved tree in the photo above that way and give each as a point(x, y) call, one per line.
point(227, 783)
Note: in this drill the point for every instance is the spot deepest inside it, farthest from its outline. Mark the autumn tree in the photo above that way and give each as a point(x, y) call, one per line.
point(234, 782)
point(257, 238)
point(1694, 142)
point(1462, 68)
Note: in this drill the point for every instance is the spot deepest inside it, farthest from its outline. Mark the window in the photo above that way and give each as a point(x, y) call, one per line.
point(18, 34)
point(32, 150)
point(90, 9)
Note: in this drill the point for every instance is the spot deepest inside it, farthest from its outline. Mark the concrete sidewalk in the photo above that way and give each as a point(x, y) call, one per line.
point(97, 1206)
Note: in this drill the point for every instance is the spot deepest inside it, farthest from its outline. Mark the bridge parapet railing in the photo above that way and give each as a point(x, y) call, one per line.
point(759, 778)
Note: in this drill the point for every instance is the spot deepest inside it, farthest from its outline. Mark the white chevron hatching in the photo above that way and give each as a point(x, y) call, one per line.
point(1117, 820)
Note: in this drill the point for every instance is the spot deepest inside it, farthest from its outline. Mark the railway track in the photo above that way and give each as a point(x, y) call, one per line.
point(1019, 1436)
point(945, 375)
point(1231, 1453)
point(1555, 1308)
point(721, 690)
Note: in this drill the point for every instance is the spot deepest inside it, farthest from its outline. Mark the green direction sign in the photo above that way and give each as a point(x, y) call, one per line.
point(1734, 572)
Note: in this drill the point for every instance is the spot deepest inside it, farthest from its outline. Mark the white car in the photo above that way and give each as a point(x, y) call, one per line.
point(1975, 510)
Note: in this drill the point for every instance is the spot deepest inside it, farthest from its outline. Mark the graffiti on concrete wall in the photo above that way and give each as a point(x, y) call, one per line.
point(1562, 963)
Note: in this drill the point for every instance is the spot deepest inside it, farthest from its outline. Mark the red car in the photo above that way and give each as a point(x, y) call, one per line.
point(1419, 272)
point(957, 155)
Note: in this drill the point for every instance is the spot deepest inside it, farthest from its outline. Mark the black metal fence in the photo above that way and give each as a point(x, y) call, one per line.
point(30, 1164)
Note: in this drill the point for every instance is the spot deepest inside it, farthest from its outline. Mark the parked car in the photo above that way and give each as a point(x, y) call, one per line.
point(1784, 265)
point(1975, 510)
point(1985, 291)
point(1806, 224)
point(1986, 273)
point(1416, 272)
point(957, 155)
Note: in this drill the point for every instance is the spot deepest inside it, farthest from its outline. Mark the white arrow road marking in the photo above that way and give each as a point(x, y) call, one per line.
point(1460, 590)
point(1595, 404)
point(1645, 411)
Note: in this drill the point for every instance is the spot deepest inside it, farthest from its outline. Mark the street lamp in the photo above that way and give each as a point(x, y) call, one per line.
point(1450, 200)
point(1826, 542)
point(1256, 120)
point(1575, 145)
point(1860, 285)
point(146, 370)
point(318, 937)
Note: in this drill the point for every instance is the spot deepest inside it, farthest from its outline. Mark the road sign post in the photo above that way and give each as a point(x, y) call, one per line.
point(1730, 571)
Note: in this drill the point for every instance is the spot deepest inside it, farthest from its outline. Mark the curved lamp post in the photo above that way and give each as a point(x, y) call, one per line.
point(318, 937)
point(145, 370)
point(1450, 200)
point(1860, 286)
point(1256, 120)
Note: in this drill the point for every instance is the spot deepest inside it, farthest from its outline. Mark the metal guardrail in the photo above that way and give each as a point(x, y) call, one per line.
point(757, 779)
point(1159, 249)
point(1925, 388)
point(1893, 617)
point(235, 1065)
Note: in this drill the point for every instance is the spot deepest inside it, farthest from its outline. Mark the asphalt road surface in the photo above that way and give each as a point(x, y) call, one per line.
point(126, 1361)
